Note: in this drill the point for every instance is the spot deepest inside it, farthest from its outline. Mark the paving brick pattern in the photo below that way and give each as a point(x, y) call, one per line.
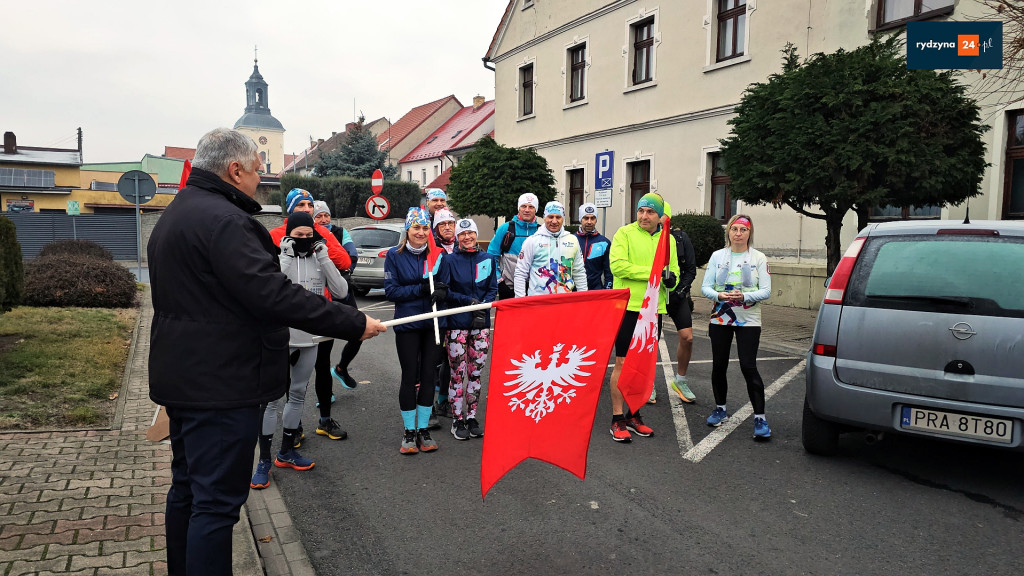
point(88, 502)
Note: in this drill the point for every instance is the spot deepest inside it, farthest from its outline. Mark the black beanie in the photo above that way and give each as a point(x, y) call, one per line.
point(296, 219)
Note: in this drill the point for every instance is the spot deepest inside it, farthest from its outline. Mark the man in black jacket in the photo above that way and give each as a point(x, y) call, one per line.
point(219, 343)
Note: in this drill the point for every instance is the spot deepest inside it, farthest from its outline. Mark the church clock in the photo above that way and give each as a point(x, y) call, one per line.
point(263, 140)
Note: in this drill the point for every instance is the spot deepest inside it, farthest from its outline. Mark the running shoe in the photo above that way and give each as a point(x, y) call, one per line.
point(409, 443)
point(332, 401)
point(683, 390)
point(717, 417)
point(341, 375)
point(443, 408)
point(261, 479)
point(459, 430)
point(475, 429)
point(654, 396)
point(331, 429)
point(619, 432)
point(761, 429)
point(299, 437)
point(636, 425)
point(427, 444)
point(292, 459)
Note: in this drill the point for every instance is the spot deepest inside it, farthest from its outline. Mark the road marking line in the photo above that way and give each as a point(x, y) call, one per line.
point(675, 404)
point(711, 441)
point(668, 363)
point(377, 306)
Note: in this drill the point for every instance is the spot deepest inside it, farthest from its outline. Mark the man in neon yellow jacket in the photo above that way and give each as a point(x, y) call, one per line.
point(632, 255)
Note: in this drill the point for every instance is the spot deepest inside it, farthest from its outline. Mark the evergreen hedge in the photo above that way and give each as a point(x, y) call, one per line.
point(346, 197)
point(11, 267)
point(705, 232)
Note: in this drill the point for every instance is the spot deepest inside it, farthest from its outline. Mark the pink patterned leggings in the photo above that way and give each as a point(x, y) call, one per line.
point(467, 353)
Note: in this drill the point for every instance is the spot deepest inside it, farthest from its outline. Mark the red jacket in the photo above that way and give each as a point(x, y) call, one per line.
point(337, 254)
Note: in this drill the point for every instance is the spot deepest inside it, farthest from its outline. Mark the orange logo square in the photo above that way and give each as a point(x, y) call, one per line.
point(967, 45)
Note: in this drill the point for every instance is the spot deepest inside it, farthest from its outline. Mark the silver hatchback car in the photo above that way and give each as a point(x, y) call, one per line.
point(921, 332)
point(372, 242)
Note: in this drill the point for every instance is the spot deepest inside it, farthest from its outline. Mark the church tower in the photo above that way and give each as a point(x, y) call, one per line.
point(258, 124)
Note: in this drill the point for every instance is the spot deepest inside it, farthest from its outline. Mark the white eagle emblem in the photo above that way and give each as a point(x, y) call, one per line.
point(645, 334)
point(538, 390)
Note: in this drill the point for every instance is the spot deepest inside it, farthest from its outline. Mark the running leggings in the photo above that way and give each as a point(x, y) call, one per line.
point(747, 340)
point(324, 381)
point(467, 352)
point(300, 372)
point(417, 355)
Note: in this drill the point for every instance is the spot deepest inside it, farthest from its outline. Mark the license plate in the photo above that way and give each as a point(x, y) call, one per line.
point(365, 260)
point(955, 424)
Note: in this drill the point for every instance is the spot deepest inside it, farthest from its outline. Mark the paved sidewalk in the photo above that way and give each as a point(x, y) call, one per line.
point(92, 502)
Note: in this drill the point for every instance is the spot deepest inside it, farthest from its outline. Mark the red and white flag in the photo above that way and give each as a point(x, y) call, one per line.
point(546, 377)
point(636, 380)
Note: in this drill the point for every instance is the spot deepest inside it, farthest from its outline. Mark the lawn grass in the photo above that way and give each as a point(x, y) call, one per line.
point(60, 367)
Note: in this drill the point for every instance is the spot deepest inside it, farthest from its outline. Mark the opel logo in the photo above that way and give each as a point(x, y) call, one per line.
point(962, 331)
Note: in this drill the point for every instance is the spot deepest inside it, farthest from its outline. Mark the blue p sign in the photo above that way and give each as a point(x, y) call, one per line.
point(605, 162)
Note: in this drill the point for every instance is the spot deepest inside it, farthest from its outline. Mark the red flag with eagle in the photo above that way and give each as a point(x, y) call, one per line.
point(546, 379)
point(638, 369)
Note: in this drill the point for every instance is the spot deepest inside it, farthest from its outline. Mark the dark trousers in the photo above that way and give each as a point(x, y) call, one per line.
point(747, 340)
point(212, 452)
point(323, 381)
point(417, 355)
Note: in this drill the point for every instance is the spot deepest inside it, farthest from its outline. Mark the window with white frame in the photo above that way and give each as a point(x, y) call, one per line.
point(639, 182)
point(723, 206)
point(732, 23)
point(576, 193)
point(423, 174)
point(526, 84)
point(577, 66)
point(642, 51)
point(409, 175)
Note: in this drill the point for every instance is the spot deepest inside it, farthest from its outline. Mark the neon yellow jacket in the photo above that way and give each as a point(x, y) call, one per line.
point(632, 255)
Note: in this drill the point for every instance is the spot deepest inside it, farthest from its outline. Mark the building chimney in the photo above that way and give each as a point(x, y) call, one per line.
point(10, 143)
point(478, 101)
point(319, 141)
point(333, 133)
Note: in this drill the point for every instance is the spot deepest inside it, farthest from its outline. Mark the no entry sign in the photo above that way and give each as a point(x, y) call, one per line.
point(377, 181)
point(378, 207)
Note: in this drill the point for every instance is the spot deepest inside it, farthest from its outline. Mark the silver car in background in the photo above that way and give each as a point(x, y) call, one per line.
point(373, 242)
point(921, 332)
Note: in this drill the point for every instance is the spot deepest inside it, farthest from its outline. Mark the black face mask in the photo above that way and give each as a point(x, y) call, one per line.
point(303, 245)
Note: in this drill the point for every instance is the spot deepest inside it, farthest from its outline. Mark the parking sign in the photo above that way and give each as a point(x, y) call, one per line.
point(605, 166)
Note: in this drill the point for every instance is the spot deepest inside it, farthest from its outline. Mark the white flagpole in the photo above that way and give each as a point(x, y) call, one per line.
point(425, 316)
point(433, 306)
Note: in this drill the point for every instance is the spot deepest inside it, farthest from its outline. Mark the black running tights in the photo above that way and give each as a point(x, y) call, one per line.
point(323, 383)
point(417, 355)
point(747, 340)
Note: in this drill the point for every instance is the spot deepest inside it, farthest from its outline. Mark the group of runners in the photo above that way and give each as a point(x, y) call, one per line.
point(438, 264)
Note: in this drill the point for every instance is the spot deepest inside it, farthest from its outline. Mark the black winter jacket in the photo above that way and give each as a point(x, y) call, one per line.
point(222, 306)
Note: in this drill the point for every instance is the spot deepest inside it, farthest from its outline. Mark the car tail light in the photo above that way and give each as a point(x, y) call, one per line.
point(837, 285)
point(382, 254)
point(824, 350)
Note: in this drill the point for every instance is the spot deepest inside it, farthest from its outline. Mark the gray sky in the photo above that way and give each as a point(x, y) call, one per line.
point(139, 75)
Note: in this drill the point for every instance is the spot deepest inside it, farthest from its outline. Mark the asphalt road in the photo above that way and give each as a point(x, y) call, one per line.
point(712, 503)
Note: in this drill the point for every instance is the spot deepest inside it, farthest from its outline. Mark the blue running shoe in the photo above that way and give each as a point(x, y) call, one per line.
point(717, 417)
point(343, 377)
point(761, 429)
point(261, 479)
point(332, 401)
point(292, 459)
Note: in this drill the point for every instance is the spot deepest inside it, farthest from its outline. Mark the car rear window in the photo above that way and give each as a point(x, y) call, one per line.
point(374, 237)
point(949, 273)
